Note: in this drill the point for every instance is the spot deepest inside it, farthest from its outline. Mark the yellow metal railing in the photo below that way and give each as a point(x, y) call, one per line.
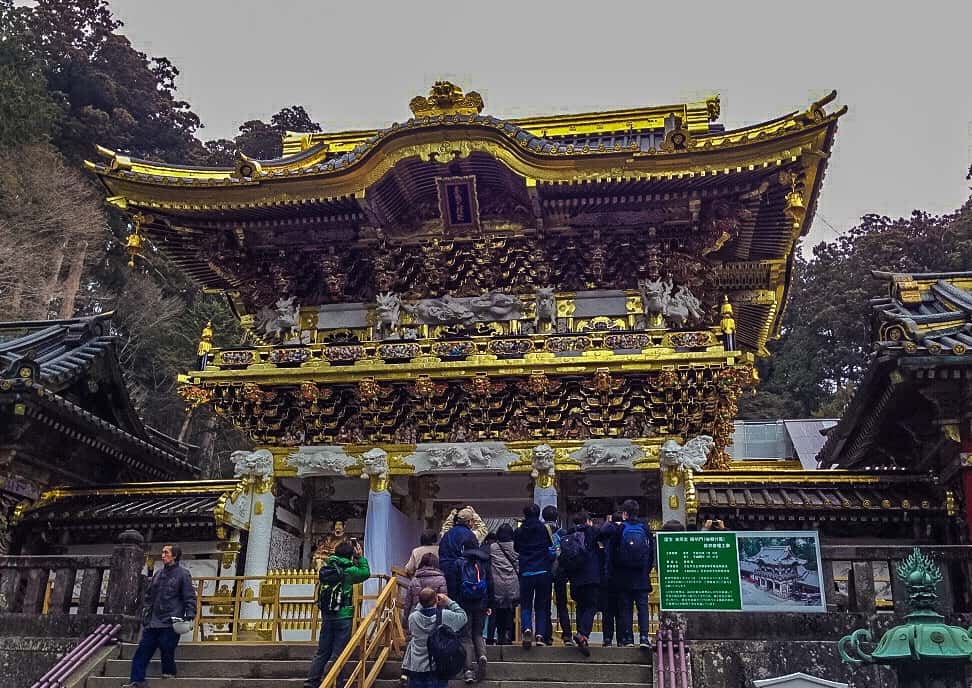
point(287, 603)
point(378, 637)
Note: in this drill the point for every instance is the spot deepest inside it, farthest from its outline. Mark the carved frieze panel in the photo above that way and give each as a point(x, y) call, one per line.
point(462, 456)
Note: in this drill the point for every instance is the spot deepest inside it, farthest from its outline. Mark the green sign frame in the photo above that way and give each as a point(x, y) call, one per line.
point(736, 571)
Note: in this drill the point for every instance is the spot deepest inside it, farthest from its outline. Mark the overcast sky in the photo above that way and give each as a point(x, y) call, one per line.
point(902, 68)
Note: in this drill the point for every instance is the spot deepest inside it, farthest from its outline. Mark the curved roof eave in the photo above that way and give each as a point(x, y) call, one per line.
point(350, 175)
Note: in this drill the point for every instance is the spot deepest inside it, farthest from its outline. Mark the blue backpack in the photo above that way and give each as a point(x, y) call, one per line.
point(634, 548)
point(472, 587)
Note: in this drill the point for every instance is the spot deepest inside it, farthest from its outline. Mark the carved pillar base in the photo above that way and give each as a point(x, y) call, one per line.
point(545, 496)
point(673, 496)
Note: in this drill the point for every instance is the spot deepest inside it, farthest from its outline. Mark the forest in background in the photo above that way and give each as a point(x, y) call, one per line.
point(69, 78)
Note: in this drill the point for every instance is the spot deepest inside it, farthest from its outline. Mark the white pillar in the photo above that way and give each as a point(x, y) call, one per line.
point(258, 544)
point(256, 468)
point(545, 496)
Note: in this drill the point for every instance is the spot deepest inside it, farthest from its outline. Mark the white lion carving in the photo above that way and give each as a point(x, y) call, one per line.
point(598, 454)
point(453, 456)
point(320, 459)
point(545, 307)
point(543, 461)
point(258, 464)
point(374, 463)
point(691, 456)
point(279, 321)
point(388, 310)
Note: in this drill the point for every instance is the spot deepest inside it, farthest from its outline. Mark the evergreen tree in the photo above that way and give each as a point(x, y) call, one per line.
point(825, 342)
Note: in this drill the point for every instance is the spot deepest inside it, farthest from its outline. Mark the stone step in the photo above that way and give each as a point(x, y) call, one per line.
point(238, 651)
point(305, 652)
point(567, 672)
point(388, 683)
point(201, 682)
point(577, 672)
point(218, 668)
point(210, 682)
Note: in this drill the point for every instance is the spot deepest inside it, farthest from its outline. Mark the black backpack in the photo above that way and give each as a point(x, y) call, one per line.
point(447, 656)
point(574, 554)
point(330, 589)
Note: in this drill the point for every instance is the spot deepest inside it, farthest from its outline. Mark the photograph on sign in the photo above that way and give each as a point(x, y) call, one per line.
point(759, 571)
point(780, 571)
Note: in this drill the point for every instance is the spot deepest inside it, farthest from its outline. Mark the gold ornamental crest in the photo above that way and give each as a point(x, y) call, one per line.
point(445, 98)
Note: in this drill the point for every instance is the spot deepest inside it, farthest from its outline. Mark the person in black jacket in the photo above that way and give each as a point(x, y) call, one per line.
point(170, 595)
point(630, 573)
point(451, 546)
point(550, 516)
point(583, 571)
point(534, 544)
point(609, 604)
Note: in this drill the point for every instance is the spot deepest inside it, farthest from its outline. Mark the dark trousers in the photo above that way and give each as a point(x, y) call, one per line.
point(585, 596)
point(627, 598)
point(491, 628)
point(563, 611)
point(335, 634)
point(610, 609)
point(473, 638)
point(425, 679)
point(162, 639)
point(535, 598)
point(450, 572)
point(504, 625)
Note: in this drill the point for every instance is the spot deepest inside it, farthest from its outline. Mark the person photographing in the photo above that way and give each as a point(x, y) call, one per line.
point(335, 598)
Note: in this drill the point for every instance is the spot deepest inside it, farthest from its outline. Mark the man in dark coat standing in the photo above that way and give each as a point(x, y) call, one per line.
point(581, 566)
point(169, 596)
point(549, 515)
point(452, 545)
point(632, 558)
point(610, 606)
point(534, 543)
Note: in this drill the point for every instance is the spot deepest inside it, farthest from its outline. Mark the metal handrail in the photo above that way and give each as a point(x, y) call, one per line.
point(57, 676)
point(380, 631)
point(279, 612)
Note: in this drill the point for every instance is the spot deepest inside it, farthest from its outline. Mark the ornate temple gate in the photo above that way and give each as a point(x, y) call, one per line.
point(467, 309)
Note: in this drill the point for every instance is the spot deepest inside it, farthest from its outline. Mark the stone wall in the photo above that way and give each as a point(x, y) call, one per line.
point(737, 663)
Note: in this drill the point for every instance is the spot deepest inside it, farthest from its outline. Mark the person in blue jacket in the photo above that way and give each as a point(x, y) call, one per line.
point(455, 541)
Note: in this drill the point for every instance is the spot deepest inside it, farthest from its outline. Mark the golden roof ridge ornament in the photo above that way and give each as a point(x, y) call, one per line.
point(445, 98)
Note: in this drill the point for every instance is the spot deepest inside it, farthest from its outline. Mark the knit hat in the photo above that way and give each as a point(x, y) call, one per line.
point(466, 514)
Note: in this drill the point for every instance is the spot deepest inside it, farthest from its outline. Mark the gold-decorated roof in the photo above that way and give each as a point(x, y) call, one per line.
point(556, 149)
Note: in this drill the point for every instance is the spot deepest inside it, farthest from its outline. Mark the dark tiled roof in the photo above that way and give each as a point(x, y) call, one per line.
point(924, 314)
point(63, 349)
point(49, 358)
point(900, 494)
point(925, 320)
point(112, 506)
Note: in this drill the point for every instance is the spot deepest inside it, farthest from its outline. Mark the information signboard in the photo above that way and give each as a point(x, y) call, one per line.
point(758, 571)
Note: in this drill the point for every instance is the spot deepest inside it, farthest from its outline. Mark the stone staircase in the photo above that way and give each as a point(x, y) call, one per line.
point(215, 665)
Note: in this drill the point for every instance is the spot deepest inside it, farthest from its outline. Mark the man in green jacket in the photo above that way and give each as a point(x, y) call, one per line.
point(342, 570)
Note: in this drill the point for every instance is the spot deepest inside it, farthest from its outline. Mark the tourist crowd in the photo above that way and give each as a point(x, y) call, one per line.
point(471, 584)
